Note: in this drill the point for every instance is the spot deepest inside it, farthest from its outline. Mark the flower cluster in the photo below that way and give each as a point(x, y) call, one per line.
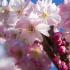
point(65, 19)
point(30, 35)
point(60, 48)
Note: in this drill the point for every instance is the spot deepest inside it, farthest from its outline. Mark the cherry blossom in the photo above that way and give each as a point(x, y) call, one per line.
point(44, 12)
point(65, 22)
point(30, 57)
point(21, 7)
point(12, 12)
point(30, 30)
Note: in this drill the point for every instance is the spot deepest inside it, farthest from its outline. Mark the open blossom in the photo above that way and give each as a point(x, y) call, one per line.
point(46, 12)
point(30, 30)
point(65, 22)
point(13, 11)
point(8, 18)
point(30, 57)
point(65, 15)
point(39, 57)
point(21, 7)
point(16, 49)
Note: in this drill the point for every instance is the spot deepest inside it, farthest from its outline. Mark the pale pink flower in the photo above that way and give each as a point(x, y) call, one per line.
point(34, 59)
point(30, 30)
point(8, 18)
point(28, 57)
point(16, 9)
point(21, 7)
point(65, 22)
point(46, 12)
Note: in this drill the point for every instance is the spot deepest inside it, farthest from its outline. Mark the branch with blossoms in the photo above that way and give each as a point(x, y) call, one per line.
point(31, 34)
point(58, 50)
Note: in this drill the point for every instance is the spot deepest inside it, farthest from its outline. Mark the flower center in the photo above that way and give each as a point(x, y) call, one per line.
point(19, 12)
point(31, 28)
point(19, 54)
point(45, 15)
point(37, 50)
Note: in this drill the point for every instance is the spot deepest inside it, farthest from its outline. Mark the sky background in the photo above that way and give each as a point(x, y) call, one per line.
point(57, 2)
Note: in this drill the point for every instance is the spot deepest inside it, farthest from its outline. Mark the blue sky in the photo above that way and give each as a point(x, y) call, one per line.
point(56, 1)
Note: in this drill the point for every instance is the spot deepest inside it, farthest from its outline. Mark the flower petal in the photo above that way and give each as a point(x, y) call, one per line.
point(43, 28)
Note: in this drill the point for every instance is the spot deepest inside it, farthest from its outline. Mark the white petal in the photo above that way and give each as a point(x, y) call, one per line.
point(56, 18)
point(31, 37)
point(48, 1)
point(56, 30)
point(52, 8)
point(33, 16)
point(43, 28)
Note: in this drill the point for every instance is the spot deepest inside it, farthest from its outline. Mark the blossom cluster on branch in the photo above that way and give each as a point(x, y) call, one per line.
point(32, 36)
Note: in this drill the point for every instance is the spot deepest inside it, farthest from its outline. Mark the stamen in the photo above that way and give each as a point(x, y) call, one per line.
point(45, 15)
point(31, 29)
